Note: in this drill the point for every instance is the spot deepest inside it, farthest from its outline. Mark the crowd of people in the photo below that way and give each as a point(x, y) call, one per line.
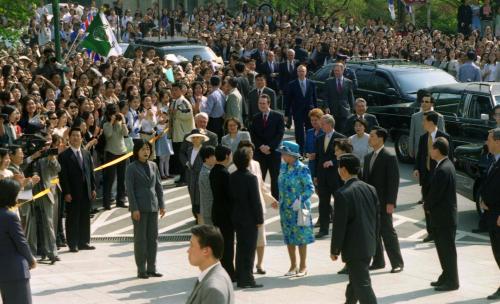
point(216, 125)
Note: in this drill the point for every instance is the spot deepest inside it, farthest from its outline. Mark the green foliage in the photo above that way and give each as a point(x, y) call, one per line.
point(15, 16)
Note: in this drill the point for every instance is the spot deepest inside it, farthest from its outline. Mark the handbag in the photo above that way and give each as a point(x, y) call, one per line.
point(303, 214)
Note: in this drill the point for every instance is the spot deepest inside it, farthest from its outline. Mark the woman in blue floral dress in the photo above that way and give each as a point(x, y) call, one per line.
point(296, 188)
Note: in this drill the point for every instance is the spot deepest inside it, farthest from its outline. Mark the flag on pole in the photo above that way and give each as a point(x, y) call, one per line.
point(392, 11)
point(100, 38)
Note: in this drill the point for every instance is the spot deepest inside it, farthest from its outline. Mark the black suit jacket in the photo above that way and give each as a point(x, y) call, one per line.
point(327, 177)
point(440, 198)
point(355, 221)
point(265, 69)
point(72, 177)
point(253, 100)
point(223, 205)
point(384, 176)
point(285, 75)
point(349, 126)
point(297, 104)
point(490, 194)
point(271, 134)
point(340, 104)
point(258, 59)
point(421, 159)
point(244, 192)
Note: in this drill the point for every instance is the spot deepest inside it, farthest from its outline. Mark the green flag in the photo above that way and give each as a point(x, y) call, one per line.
point(97, 38)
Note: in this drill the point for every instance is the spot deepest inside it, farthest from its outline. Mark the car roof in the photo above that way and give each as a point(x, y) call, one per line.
point(392, 65)
point(175, 41)
point(475, 87)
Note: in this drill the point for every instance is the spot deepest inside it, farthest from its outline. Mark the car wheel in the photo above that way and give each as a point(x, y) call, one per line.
point(402, 148)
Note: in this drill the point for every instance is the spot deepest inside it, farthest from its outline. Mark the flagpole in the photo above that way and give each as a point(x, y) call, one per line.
point(72, 47)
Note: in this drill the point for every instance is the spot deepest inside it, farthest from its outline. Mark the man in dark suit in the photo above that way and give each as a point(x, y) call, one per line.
point(243, 86)
point(78, 189)
point(327, 180)
point(260, 55)
point(355, 224)
point(490, 195)
point(440, 201)
point(424, 164)
point(300, 53)
point(254, 95)
point(339, 96)
point(348, 72)
point(267, 130)
point(271, 70)
point(300, 98)
point(223, 207)
point(288, 70)
point(382, 172)
point(360, 108)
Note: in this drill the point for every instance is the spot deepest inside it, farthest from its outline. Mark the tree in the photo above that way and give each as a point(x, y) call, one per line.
point(15, 16)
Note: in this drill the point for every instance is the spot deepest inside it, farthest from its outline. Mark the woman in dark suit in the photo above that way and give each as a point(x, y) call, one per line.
point(247, 216)
point(16, 259)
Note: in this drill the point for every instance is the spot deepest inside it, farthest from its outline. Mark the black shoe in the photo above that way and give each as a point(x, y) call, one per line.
point(254, 285)
point(428, 239)
point(154, 274)
point(143, 275)
point(260, 271)
point(86, 247)
point(343, 270)
point(321, 234)
point(495, 296)
point(397, 269)
point(437, 283)
point(121, 205)
point(107, 208)
point(94, 211)
point(446, 287)
point(420, 202)
point(54, 260)
point(376, 267)
point(73, 249)
point(61, 244)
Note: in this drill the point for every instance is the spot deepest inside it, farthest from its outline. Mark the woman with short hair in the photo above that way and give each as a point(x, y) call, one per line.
point(17, 258)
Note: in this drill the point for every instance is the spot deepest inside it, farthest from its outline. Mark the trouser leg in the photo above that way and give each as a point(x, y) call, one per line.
point(152, 240)
point(84, 229)
point(16, 292)
point(108, 180)
point(360, 287)
point(390, 239)
point(120, 181)
point(325, 208)
point(140, 242)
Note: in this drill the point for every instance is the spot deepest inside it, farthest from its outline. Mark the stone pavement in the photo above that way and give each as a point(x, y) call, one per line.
point(108, 275)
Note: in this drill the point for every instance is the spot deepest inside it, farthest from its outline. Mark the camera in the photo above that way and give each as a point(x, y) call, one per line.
point(118, 117)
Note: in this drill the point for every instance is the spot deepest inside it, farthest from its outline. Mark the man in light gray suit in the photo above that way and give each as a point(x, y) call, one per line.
point(145, 197)
point(340, 96)
point(234, 100)
point(416, 126)
point(205, 250)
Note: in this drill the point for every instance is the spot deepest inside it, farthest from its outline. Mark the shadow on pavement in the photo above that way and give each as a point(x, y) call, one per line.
point(160, 248)
point(159, 291)
point(309, 280)
point(402, 297)
point(86, 286)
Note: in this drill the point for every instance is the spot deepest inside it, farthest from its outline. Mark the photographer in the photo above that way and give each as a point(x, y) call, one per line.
point(43, 213)
point(114, 131)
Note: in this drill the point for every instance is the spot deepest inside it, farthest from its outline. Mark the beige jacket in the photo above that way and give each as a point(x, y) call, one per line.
point(182, 119)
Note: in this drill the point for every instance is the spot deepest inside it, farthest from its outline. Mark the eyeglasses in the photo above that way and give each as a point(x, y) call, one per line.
point(53, 118)
point(73, 107)
point(426, 101)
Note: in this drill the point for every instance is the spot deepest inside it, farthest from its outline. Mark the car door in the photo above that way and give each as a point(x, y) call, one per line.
point(477, 119)
point(451, 105)
point(319, 78)
point(383, 83)
point(366, 87)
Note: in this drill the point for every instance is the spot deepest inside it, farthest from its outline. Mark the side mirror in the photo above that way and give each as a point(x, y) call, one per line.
point(391, 92)
point(485, 117)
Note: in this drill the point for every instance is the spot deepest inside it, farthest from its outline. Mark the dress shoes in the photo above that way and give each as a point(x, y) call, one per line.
point(155, 274)
point(142, 275)
point(428, 239)
point(495, 296)
point(343, 270)
point(86, 247)
point(446, 287)
point(320, 234)
point(54, 260)
point(437, 283)
point(121, 205)
point(73, 249)
point(397, 269)
point(376, 267)
point(291, 273)
point(254, 285)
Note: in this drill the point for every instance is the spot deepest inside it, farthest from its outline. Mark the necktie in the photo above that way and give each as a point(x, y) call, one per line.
point(259, 91)
point(303, 87)
point(265, 120)
point(271, 67)
point(79, 158)
point(339, 86)
point(372, 160)
point(429, 148)
point(290, 67)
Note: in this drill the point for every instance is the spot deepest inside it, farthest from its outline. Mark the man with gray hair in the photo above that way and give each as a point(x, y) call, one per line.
point(489, 193)
point(327, 179)
point(339, 96)
point(287, 70)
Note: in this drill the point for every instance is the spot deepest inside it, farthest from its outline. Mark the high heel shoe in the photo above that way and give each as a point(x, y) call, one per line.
point(302, 273)
point(292, 272)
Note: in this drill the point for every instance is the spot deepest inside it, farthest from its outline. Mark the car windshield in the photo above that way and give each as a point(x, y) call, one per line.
point(497, 99)
point(411, 82)
point(188, 53)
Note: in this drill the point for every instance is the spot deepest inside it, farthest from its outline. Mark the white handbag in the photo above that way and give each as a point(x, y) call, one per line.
point(303, 214)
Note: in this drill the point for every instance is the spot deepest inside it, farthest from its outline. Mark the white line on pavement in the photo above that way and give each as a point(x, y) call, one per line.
point(176, 225)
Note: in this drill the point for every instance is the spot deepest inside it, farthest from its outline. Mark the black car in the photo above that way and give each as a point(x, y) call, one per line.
point(386, 81)
point(186, 48)
point(466, 107)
